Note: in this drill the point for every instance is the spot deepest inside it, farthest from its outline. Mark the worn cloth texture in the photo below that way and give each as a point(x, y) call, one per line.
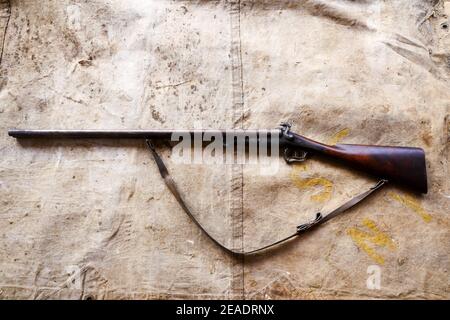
point(93, 219)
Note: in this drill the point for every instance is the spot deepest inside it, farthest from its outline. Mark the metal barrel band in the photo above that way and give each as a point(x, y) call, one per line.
point(300, 229)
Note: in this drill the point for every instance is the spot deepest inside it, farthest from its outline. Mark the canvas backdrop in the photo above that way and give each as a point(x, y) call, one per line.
point(93, 219)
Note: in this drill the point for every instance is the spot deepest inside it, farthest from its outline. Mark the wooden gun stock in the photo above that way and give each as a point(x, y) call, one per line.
point(403, 165)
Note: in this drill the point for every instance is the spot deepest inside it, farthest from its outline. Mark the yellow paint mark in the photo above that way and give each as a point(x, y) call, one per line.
point(337, 137)
point(413, 204)
point(375, 236)
point(317, 181)
point(309, 183)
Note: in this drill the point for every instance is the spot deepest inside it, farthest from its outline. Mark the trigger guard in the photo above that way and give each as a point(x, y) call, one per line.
point(295, 156)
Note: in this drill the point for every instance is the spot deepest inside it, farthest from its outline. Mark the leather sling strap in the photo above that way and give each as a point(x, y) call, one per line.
point(170, 183)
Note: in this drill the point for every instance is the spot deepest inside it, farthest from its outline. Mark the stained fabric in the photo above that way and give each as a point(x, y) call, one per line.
point(93, 219)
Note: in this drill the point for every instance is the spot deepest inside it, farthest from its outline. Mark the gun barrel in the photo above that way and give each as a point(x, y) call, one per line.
point(91, 134)
point(123, 134)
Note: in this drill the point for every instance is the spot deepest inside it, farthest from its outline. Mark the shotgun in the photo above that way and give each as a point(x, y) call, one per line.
point(401, 165)
point(404, 166)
